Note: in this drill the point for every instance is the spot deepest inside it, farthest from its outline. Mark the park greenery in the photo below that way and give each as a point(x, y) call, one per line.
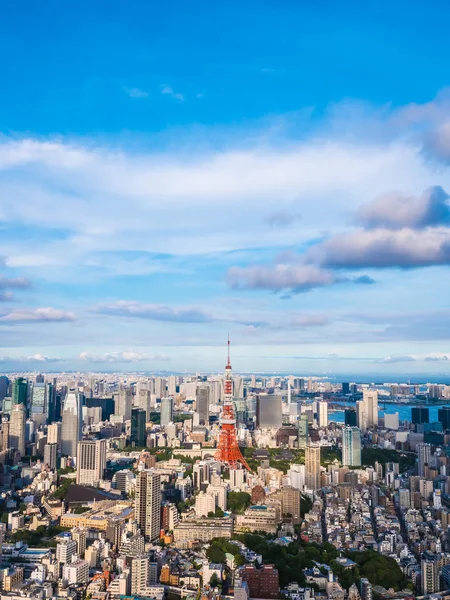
point(219, 547)
point(237, 502)
point(291, 560)
point(61, 492)
point(371, 455)
point(43, 537)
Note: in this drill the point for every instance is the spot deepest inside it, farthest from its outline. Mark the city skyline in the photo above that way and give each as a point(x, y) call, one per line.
point(156, 196)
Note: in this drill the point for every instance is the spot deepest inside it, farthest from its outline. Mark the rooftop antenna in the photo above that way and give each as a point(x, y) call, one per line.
point(229, 363)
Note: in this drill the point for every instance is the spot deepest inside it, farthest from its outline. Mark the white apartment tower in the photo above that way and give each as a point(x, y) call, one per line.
point(322, 413)
point(312, 467)
point(91, 461)
point(148, 504)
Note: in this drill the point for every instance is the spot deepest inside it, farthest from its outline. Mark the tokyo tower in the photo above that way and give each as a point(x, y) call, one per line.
point(228, 450)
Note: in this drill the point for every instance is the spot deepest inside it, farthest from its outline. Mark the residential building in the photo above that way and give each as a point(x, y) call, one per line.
point(91, 461)
point(312, 467)
point(148, 504)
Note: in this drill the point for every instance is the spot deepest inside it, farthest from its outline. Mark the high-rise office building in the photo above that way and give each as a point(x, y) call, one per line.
point(148, 504)
point(351, 447)
point(312, 467)
point(50, 453)
point(444, 417)
point(350, 417)
point(138, 427)
point(166, 411)
point(424, 455)
point(172, 385)
point(54, 434)
point(39, 406)
point(71, 424)
point(322, 413)
point(203, 393)
point(17, 428)
point(142, 400)
point(123, 403)
point(346, 388)
point(370, 399)
point(429, 570)
point(367, 410)
point(20, 391)
point(268, 410)
point(4, 386)
point(160, 387)
point(419, 415)
point(51, 401)
point(91, 461)
point(303, 429)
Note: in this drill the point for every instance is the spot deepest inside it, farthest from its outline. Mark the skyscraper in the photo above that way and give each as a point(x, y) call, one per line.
point(39, 407)
point(4, 385)
point(143, 400)
point(419, 415)
point(54, 434)
point(350, 417)
point(370, 399)
point(148, 504)
point(166, 411)
point(268, 410)
point(203, 404)
point(20, 391)
point(351, 447)
point(322, 413)
point(71, 424)
point(346, 388)
point(123, 403)
point(424, 455)
point(91, 461)
point(17, 428)
point(312, 467)
point(444, 417)
point(367, 410)
point(303, 428)
point(138, 423)
point(50, 453)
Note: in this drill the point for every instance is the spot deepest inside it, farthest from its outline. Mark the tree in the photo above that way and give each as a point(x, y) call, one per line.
point(214, 581)
point(215, 554)
point(238, 501)
point(218, 512)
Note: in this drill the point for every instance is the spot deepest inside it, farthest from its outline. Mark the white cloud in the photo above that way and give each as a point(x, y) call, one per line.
point(167, 90)
point(43, 315)
point(396, 211)
point(136, 93)
point(156, 312)
point(35, 358)
point(122, 357)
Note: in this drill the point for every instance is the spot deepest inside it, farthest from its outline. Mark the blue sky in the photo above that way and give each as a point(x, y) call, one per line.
point(172, 172)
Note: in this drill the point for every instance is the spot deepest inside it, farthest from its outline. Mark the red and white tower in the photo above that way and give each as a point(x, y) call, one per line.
point(228, 450)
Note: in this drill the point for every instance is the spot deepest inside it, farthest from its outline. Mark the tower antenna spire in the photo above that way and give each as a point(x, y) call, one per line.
point(229, 363)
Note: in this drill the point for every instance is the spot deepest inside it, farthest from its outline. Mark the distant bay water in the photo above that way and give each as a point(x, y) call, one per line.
point(404, 410)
